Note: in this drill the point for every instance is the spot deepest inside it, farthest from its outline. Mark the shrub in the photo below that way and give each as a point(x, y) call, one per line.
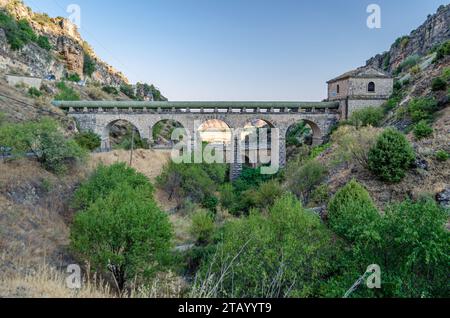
point(88, 65)
point(442, 155)
point(124, 233)
point(66, 93)
point(202, 228)
point(370, 116)
point(354, 144)
point(128, 91)
point(320, 195)
point(18, 33)
point(303, 179)
point(110, 90)
point(316, 151)
point(409, 62)
point(283, 254)
point(415, 70)
point(442, 51)
point(422, 130)
point(44, 140)
point(196, 182)
point(422, 108)
point(44, 43)
point(96, 93)
point(351, 212)
point(438, 84)
point(227, 196)
point(105, 179)
point(88, 140)
point(34, 92)
point(446, 74)
point(73, 77)
point(391, 156)
point(414, 249)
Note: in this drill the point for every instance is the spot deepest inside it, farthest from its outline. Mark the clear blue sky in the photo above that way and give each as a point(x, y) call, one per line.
point(239, 49)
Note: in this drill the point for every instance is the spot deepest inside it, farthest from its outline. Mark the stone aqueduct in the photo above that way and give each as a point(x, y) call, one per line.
point(100, 116)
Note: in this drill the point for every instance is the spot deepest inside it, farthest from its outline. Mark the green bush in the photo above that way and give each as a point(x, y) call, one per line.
point(66, 93)
point(227, 196)
point(391, 156)
point(34, 92)
point(89, 65)
point(422, 130)
point(303, 178)
point(316, 151)
point(368, 116)
point(438, 84)
point(195, 182)
point(43, 42)
point(202, 228)
point(409, 62)
point(351, 213)
point(410, 243)
point(110, 90)
point(44, 140)
point(105, 179)
point(446, 74)
point(422, 108)
point(19, 33)
point(442, 155)
point(88, 140)
point(414, 249)
point(442, 51)
point(124, 233)
point(284, 254)
point(320, 195)
point(74, 77)
point(128, 91)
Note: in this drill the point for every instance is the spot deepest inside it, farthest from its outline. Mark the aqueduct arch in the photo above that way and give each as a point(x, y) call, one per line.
point(97, 116)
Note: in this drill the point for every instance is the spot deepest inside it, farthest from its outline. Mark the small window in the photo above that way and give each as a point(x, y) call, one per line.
point(338, 89)
point(371, 87)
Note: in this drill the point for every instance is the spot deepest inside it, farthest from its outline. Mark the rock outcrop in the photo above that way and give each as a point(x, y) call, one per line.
point(436, 29)
point(68, 51)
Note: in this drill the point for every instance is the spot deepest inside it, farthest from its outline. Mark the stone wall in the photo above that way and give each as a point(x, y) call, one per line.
point(359, 87)
point(357, 104)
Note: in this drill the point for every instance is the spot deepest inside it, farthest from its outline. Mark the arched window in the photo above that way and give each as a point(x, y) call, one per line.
point(371, 87)
point(338, 89)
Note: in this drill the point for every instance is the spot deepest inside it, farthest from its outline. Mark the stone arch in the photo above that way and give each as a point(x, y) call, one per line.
point(161, 131)
point(317, 135)
point(107, 130)
point(215, 130)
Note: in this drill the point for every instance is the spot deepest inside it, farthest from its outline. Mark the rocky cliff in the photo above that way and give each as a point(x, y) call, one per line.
point(68, 53)
point(436, 29)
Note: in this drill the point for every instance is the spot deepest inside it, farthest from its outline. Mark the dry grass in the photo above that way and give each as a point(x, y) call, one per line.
point(148, 162)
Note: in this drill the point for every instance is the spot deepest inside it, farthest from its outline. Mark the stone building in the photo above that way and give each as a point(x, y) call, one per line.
point(360, 88)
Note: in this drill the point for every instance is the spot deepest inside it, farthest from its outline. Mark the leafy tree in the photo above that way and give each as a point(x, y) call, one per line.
point(303, 179)
point(124, 233)
point(284, 254)
point(128, 91)
point(88, 140)
point(443, 50)
point(105, 179)
point(44, 140)
point(391, 156)
point(351, 212)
